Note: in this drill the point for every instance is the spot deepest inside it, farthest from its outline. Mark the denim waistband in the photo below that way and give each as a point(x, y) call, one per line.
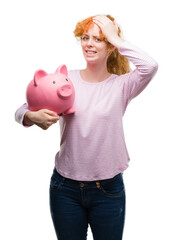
point(76, 183)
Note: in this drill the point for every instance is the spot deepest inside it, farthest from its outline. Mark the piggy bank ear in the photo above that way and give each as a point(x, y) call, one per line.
point(62, 69)
point(38, 74)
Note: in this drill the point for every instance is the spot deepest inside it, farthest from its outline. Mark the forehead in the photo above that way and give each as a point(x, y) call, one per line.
point(95, 30)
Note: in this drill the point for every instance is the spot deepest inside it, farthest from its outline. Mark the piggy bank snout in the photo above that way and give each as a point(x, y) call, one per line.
point(64, 91)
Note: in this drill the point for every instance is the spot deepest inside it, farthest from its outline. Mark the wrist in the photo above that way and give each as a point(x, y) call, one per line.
point(118, 41)
point(27, 120)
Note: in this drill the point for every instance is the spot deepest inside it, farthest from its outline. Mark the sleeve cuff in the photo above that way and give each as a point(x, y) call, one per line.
point(20, 113)
point(123, 45)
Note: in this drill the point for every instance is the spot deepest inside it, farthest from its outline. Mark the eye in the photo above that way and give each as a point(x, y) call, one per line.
point(54, 82)
point(84, 38)
point(66, 79)
point(98, 39)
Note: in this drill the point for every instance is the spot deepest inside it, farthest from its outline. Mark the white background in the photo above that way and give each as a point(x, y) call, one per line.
point(38, 34)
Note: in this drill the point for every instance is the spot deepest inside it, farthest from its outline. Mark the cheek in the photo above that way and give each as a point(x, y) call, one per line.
point(83, 46)
point(102, 48)
point(103, 51)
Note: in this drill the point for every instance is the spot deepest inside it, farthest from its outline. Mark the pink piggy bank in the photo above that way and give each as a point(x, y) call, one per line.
point(53, 91)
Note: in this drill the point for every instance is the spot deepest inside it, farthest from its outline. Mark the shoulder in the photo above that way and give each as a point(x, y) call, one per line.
point(73, 71)
point(120, 79)
point(73, 74)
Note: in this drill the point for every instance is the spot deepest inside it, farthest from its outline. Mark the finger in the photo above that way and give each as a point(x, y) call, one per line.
point(48, 124)
point(97, 21)
point(102, 19)
point(116, 25)
point(50, 112)
point(44, 127)
point(54, 120)
point(101, 22)
point(57, 117)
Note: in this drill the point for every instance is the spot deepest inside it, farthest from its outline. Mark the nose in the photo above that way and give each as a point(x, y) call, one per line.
point(64, 91)
point(90, 42)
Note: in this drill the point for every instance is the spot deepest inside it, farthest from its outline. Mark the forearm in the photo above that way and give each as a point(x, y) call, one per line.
point(117, 42)
point(145, 64)
point(136, 81)
point(20, 115)
point(27, 119)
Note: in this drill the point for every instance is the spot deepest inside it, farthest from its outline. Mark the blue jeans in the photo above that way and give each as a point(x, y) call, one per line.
point(75, 204)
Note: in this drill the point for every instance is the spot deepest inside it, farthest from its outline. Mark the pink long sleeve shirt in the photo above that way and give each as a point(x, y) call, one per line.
point(92, 144)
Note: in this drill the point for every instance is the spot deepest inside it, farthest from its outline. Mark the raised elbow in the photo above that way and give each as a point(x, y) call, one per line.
point(154, 67)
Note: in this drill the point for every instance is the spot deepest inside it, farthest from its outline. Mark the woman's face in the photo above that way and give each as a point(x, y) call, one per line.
point(94, 49)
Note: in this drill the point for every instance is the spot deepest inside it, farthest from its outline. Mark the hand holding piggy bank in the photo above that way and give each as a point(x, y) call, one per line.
point(53, 91)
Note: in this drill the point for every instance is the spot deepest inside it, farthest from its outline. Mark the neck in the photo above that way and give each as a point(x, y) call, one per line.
point(95, 73)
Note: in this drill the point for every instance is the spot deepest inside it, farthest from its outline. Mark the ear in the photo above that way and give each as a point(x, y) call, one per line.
point(113, 48)
point(39, 74)
point(62, 69)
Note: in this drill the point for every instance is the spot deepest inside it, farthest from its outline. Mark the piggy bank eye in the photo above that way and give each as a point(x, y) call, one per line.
point(54, 82)
point(66, 79)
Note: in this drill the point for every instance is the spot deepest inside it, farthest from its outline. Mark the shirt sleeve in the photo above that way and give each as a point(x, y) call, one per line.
point(19, 114)
point(135, 82)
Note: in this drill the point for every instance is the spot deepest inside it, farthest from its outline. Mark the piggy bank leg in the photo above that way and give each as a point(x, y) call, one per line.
point(70, 110)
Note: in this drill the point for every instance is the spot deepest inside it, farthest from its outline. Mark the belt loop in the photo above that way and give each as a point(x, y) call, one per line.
point(98, 184)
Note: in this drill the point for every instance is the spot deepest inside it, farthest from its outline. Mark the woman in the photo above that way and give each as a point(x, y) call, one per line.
point(87, 185)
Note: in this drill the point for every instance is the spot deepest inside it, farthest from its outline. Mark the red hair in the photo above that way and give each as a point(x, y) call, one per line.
point(116, 63)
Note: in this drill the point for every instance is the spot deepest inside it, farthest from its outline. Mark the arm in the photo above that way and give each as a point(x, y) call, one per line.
point(135, 82)
point(146, 67)
point(43, 118)
point(20, 115)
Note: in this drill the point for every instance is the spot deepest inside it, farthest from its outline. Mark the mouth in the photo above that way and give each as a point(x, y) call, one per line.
point(90, 52)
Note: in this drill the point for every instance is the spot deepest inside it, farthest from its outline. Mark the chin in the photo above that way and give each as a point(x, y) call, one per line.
point(94, 61)
point(91, 60)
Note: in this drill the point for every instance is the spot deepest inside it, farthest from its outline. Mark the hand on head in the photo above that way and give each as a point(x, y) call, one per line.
point(109, 28)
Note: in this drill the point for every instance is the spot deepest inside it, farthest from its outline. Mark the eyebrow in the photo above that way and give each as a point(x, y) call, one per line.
point(88, 35)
